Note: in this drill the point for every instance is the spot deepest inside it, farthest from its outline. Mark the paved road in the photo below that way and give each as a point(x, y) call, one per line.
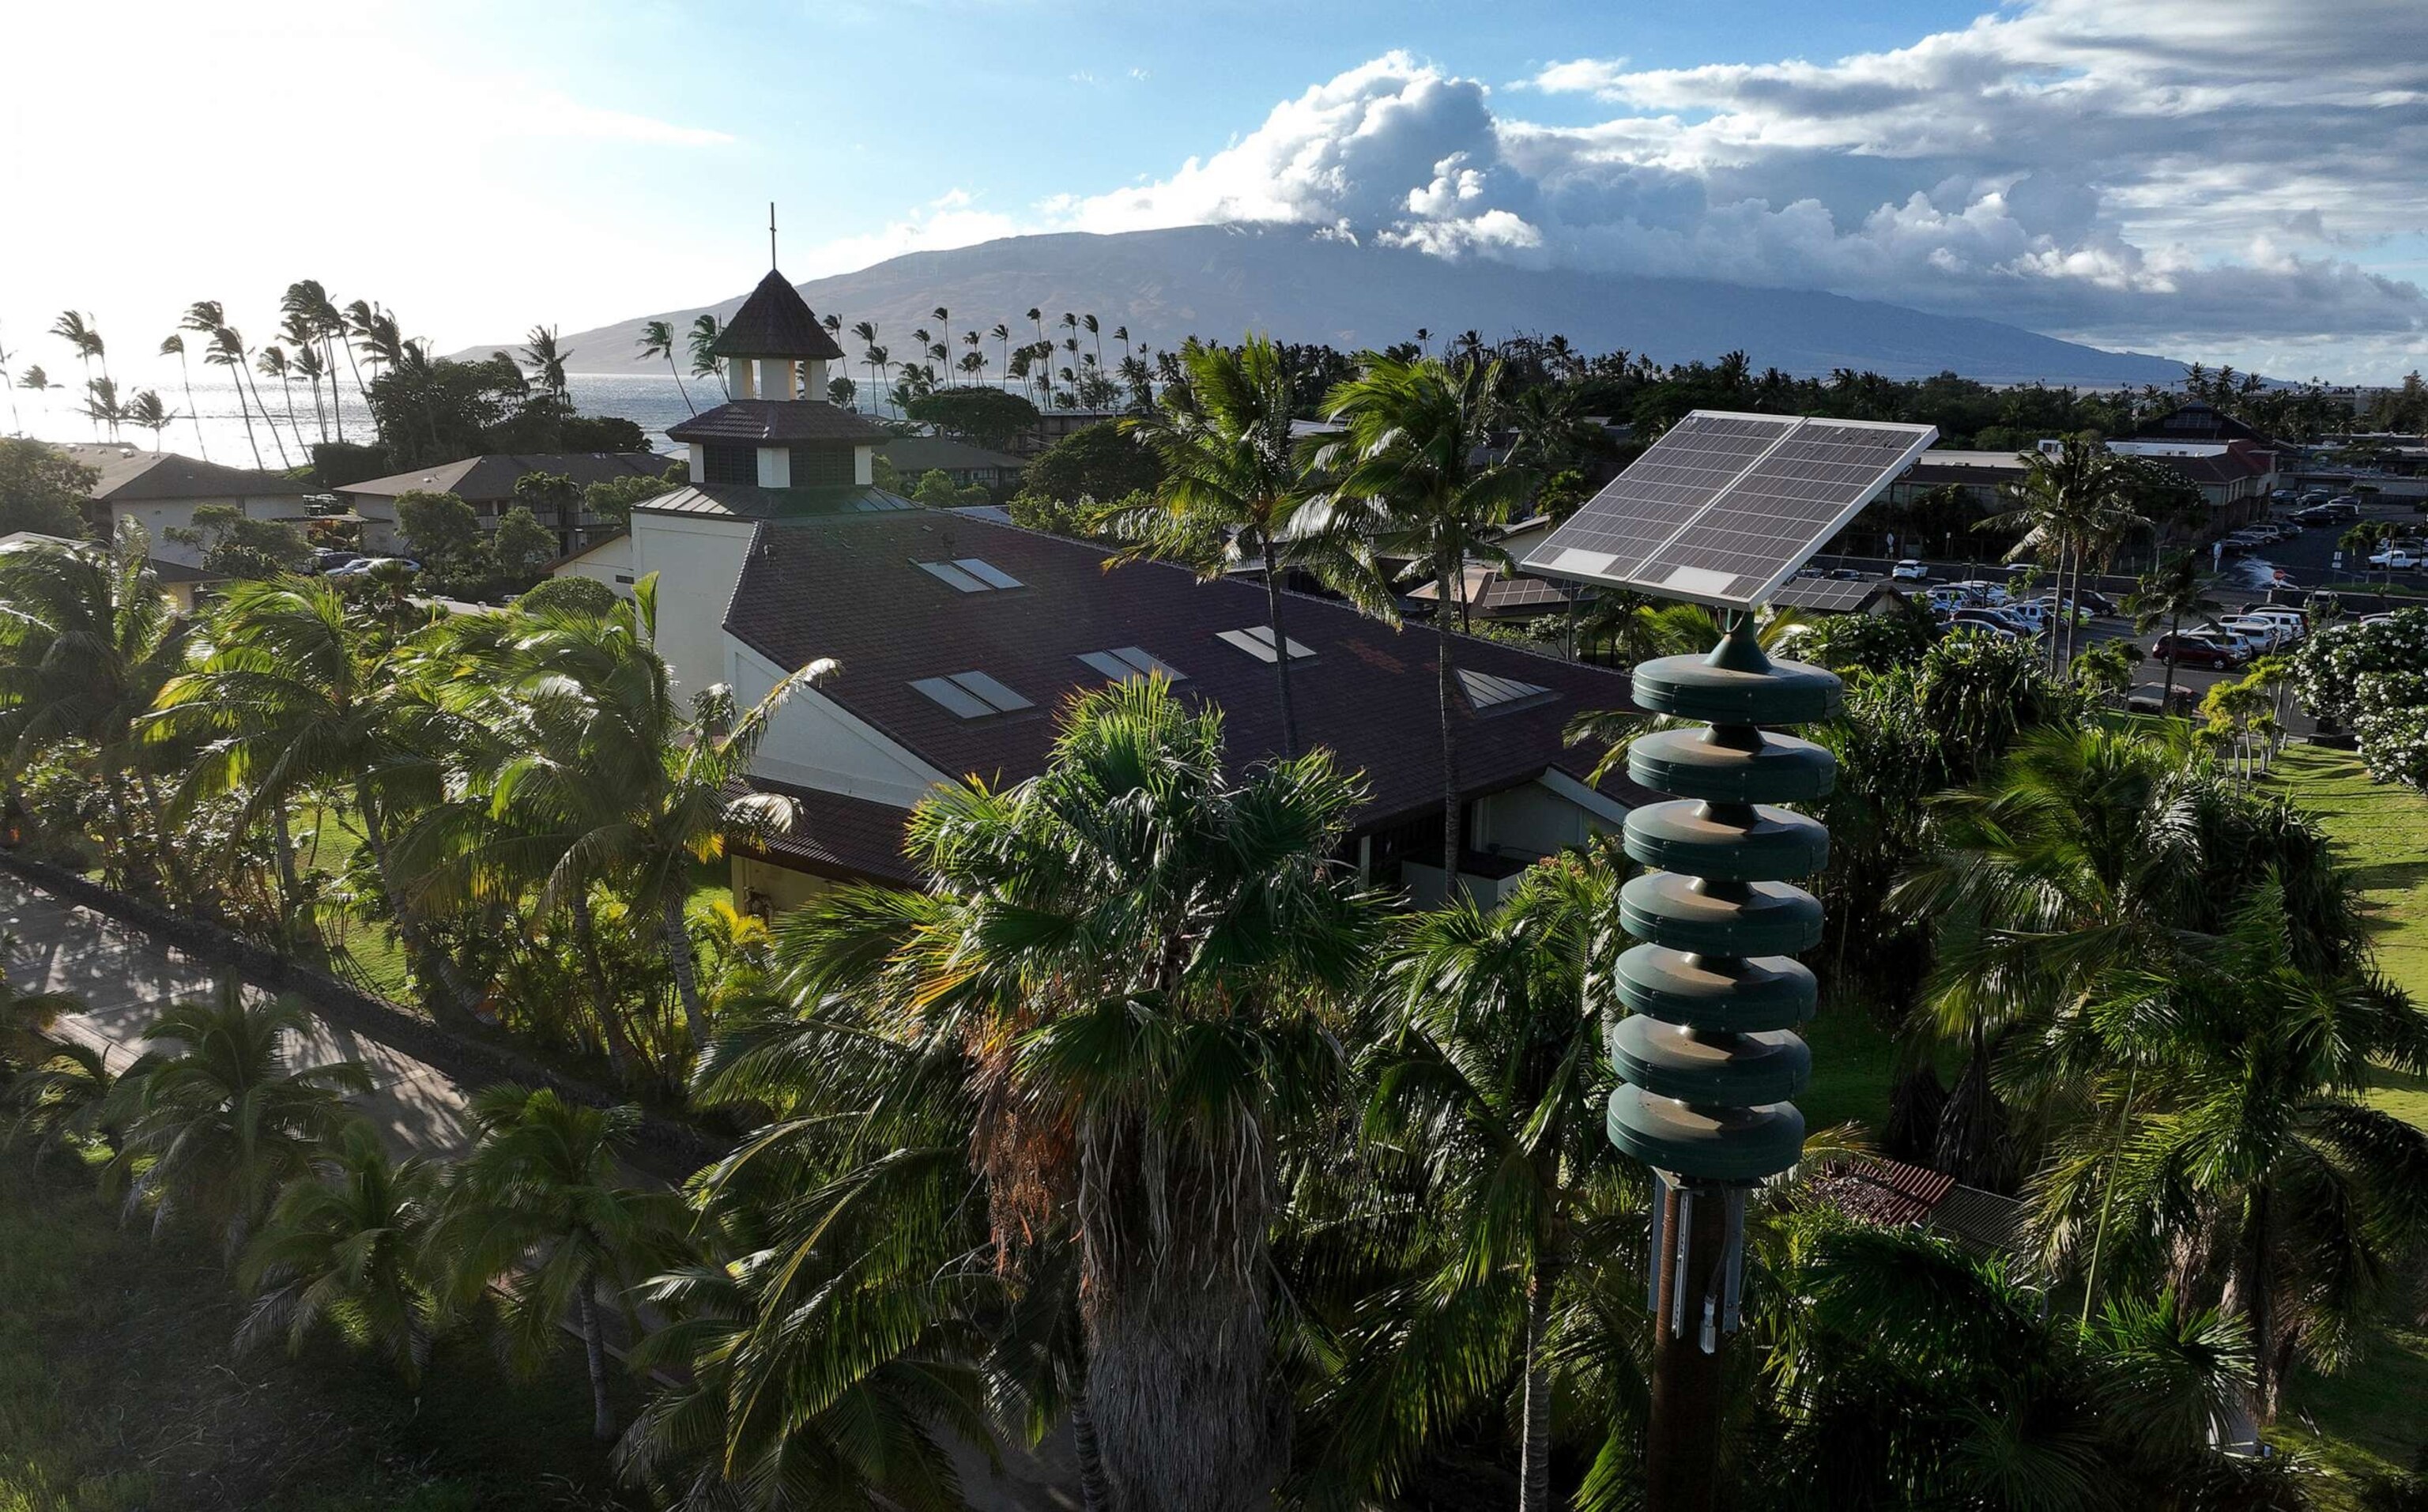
point(125, 978)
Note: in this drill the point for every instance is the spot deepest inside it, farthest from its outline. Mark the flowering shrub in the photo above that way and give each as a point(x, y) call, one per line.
point(2374, 678)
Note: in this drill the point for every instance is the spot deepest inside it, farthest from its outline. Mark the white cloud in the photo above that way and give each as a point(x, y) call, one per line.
point(2175, 175)
point(551, 114)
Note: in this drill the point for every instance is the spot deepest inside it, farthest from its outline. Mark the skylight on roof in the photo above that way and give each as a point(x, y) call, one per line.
point(1127, 664)
point(1257, 641)
point(970, 575)
point(1487, 693)
point(972, 695)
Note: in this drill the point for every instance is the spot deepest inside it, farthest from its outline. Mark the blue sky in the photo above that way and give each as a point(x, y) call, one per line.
point(2230, 183)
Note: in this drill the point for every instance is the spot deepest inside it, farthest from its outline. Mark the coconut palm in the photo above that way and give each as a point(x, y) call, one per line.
point(365, 326)
point(16, 423)
point(229, 350)
point(2244, 1162)
point(2175, 589)
point(541, 1207)
point(1413, 432)
point(701, 341)
point(78, 332)
point(316, 325)
point(1001, 333)
point(146, 411)
point(86, 641)
point(271, 363)
point(1136, 948)
point(658, 340)
point(297, 691)
point(310, 366)
point(1238, 486)
point(344, 1247)
point(35, 379)
point(221, 1124)
point(545, 361)
point(206, 319)
point(101, 403)
point(1491, 1079)
point(2067, 506)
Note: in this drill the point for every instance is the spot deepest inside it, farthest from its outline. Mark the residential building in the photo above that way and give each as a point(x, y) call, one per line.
point(959, 639)
point(1054, 424)
point(963, 463)
point(179, 582)
point(160, 491)
point(487, 484)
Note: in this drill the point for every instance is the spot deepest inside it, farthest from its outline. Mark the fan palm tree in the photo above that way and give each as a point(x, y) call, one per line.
point(1136, 950)
point(344, 1246)
point(206, 319)
point(658, 340)
point(2175, 589)
point(295, 691)
point(1413, 432)
point(1492, 1078)
point(540, 1207)
point(86, 641)
point(545, 361)
point(221, 1124)
point(1236, 485)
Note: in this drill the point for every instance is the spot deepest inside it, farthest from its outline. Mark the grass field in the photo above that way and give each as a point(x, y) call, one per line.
point(119, 1390)
point(2373, 1418)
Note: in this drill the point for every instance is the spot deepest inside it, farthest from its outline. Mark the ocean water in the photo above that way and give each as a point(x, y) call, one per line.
point(213, 425)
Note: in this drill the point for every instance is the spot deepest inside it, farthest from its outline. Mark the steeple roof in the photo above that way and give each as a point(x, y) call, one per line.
point(774, 322)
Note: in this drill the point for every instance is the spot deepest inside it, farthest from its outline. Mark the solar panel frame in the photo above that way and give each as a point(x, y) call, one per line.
point(1748, 534)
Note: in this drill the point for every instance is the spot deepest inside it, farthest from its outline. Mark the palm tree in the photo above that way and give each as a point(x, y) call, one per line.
point(658, 340)
point(2067, 506)
point(1088, 323)
point(35, 379)
point(345, 1246)
point(1491, 1078)
point(545, 361)
point(296, 691)
point(271, 363)
point(146, 411)
point(229, 350)
point(539, 1206)
point(1235, 484)
point(101, 403)
point(2165, 595)
point(362, 326)
point(1003, 333)
point(16, 423)
point(1141, 1039)
point(67, 1097)
point(704, 360)
point(221, 1124)
point(315, 326)
point(1413, 432)
point(206, 318)
point(86, 641)
point(308, 365)
point(77, 331)
point(2250, 1166)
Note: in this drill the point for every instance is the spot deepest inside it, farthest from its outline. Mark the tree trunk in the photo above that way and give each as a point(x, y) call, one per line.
point(282, 841)
point(1452, 834)
point(1095, 1495)
point(1281, 645)
point(2167, 694)
point(185, 376)
point(594, 1347)
point(244, 380)
point(687, 974)
point(449, 998)
point(610, 1023)
point(245, 410)
point(2257, 1306)
point(1535, 1450)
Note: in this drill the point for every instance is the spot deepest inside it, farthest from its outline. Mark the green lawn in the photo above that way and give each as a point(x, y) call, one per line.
point(2375, 1417)
point(1854, 1066)
point(119, 1390)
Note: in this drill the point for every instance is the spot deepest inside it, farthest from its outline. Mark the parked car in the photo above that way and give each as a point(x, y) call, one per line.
point(2193, 649)
point(1982, 591)
point(2150, 697)
point(1848, 575)
point(2395, 559)
point(2267, 634)
point(329, 559)
point(1984, 622)
point(362, 566)
point(1910, 570)
point(2294, 624)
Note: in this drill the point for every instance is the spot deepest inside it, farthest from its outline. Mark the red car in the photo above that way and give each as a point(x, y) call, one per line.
point(2192, 650)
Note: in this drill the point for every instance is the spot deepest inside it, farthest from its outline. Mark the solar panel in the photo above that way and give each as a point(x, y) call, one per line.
point(1123, 662)
point(1724, 507)
point(1257, 641)
point(971, 695)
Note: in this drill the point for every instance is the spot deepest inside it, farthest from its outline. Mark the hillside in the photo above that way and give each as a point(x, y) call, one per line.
point(1220, 281)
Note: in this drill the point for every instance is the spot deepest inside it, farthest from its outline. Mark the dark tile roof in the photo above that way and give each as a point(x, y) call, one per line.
point(1485, 591)
point(839, 837)
point(2197, 421)
point(492, 476)
point(774, 322)
point(1873, 1189)
point(778, 422)
point(849, 587)
point(736, 500)
point(1832, 596)
point(130, 475)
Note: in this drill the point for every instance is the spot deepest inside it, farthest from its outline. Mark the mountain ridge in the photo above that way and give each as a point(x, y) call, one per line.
point(1219, 281)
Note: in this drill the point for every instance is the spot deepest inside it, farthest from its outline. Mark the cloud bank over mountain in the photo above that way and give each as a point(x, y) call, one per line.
point(2233, 180)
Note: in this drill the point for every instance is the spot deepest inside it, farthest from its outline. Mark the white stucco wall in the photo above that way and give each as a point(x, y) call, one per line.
point(609, 562)
point(814, 742)
point(1538, 818)
point(698, 559)
point(161, 516)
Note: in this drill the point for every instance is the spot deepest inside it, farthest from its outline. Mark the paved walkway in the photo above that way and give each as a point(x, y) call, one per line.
point(126, 978)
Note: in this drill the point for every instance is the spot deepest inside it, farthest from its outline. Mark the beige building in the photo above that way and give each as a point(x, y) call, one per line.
point(160, 491)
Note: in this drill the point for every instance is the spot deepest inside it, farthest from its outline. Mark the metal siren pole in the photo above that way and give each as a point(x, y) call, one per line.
point(1707, 1053)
